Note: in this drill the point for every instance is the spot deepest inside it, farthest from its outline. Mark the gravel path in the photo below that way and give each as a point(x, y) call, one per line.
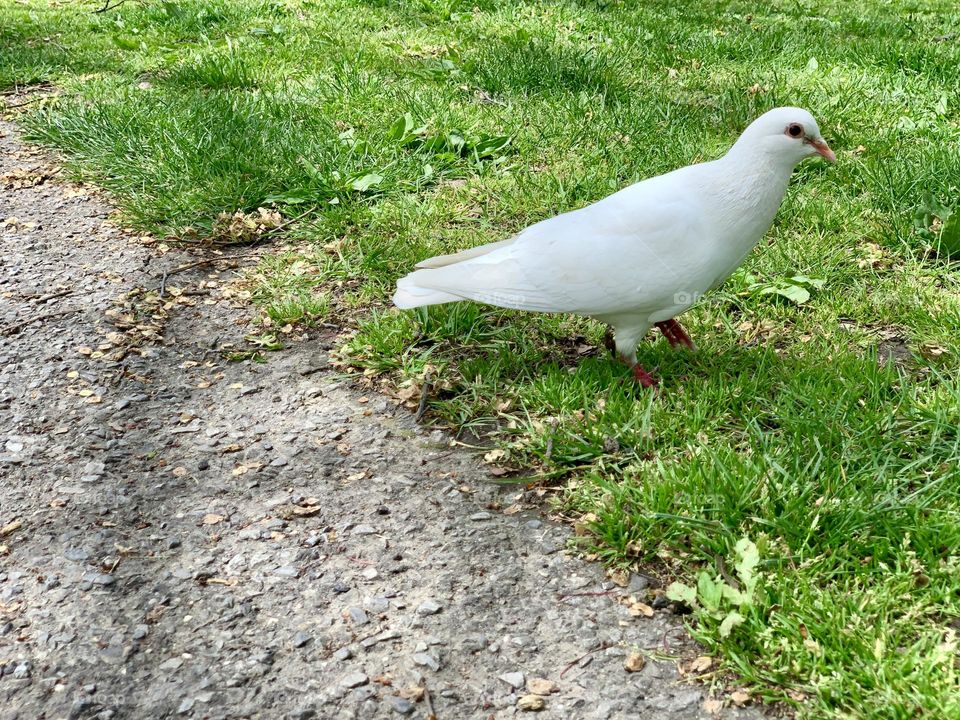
point(190, 537)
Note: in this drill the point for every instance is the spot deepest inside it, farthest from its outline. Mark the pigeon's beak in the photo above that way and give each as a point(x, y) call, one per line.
point(821, 147)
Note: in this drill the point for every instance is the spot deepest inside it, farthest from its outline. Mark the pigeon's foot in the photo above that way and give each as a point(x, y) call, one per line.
point(643, 377)
point(675, 334)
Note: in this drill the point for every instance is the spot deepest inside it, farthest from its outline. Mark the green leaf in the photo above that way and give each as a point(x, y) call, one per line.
point(949, 243)
point(709, 591)
point(487, 145)
point(808, 282)
point(401, 128)
point(749, 558)
point(734, 596)
point(730, 622)
point(794, 293)
point(678, 592)
point(362, 184)
point(289, 197)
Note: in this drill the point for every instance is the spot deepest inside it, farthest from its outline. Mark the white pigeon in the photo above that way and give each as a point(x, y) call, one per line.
point(643, 255)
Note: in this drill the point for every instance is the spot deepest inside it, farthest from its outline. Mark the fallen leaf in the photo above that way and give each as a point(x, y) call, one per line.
point(542, 686)
point(740, 698)
point(701, 664)
point(495, 455)
point(619, 576)
point(582, 526)
point(289, 511)
point(11, 527)
point(531, 703)
point(635, 662)
point(414, 692)
point(212, 519)
point(638, 609)
point(713, 706)
point(230, 582)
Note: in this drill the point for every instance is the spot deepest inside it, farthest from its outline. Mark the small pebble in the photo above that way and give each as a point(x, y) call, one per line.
point(301, 639)
point(426, 660)
point(513, 679)
point(355, 679)
point(400, 705)
point(428, 607)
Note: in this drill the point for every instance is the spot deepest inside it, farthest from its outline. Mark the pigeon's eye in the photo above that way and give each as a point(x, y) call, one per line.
point(794, 130)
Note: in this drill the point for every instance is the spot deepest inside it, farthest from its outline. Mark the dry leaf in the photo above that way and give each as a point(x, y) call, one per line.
point(620, 577)
point(542, 686)
point(635, 662)
point(495, 455)
point(10, 527)
point(638, 609)
point(713, 706)
point(212, 519)
point(414, 692)
point(230, 582)
point(740, 698)
point(701, 664)
point(531, 703)
point(289, 512)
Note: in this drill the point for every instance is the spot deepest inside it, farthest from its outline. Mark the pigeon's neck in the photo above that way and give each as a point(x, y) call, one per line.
point(746, 192)
point(754, 179)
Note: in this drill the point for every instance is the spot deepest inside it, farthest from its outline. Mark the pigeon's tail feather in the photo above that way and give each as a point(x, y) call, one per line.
point(443, 260)
point(410, 295)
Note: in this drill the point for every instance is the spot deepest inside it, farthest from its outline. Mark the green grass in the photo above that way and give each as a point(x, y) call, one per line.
point(385, 123)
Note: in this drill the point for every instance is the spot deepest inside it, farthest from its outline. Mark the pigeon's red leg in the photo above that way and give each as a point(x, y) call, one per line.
point(643, 377)
point(675, 334)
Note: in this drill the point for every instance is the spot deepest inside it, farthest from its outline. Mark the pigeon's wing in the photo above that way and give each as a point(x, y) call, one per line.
point(630, 250)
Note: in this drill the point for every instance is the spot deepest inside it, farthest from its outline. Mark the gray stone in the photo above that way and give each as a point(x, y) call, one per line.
point(429, 607)
point(426, 660)
point(400, 705)
point(376, 604)
point(102, 579)
point(513, 679)
point(358, 616)
point(355, 679)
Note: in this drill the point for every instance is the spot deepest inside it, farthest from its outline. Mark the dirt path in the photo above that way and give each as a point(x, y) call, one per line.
point(200, 538)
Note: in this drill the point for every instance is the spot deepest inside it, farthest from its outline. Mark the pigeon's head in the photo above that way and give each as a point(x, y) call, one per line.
point(787, 135)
